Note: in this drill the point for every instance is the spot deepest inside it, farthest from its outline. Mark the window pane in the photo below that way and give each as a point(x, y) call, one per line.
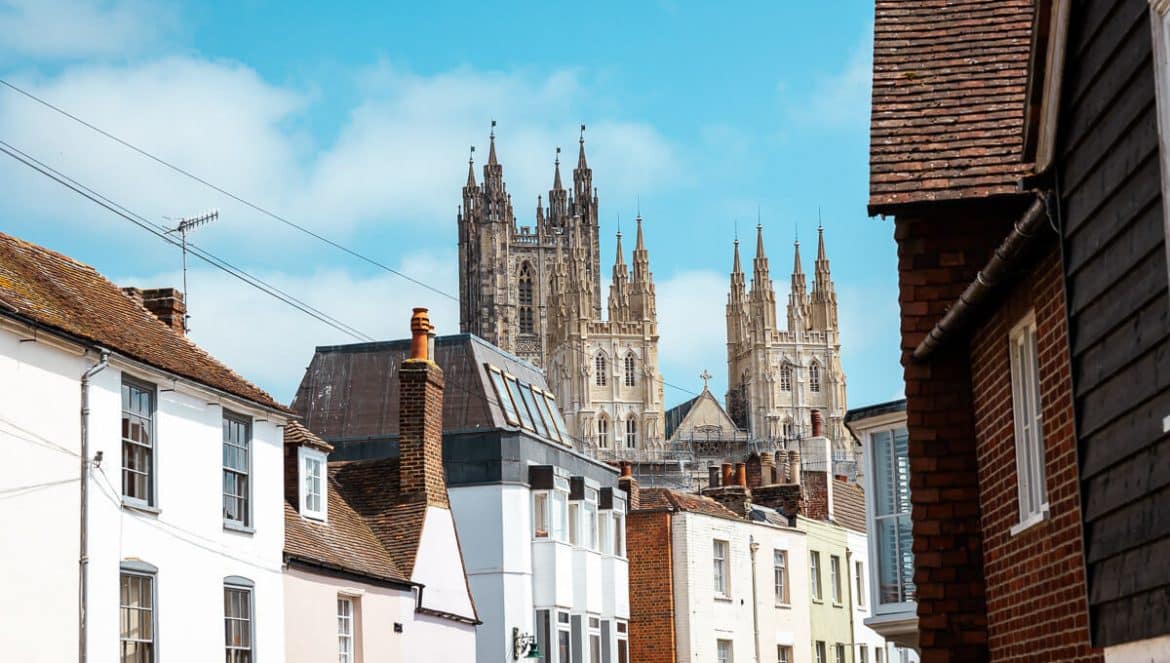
point(505, 400)
point(513, 389)
point(530, 403)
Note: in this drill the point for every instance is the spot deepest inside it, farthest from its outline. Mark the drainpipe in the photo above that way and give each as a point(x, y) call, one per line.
point(755, 545)
point(83, 560)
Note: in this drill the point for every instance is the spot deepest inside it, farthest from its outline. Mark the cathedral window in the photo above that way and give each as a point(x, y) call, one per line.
point(603, 433)
point(630, 375)
point(631, 432)
point(787, 429)
point(526, 325)
point(599, 367)
point(786, 377)
point(814, 377)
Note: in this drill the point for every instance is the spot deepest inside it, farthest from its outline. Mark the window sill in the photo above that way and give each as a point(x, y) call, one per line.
point(1031, 521)
point(838, 604)
point(229, 526)
point(820, 601)
point(143, 508)
point(786, 606)
point(723, 597)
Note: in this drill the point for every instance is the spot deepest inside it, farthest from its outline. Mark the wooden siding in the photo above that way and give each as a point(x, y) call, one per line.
point(1119, 331)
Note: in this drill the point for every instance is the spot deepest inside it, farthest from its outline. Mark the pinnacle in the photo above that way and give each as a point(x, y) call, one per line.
point(639, 245)
point(620, 260)
point(492, 150)
point(759, 241)
point(820, 244)
point(470, 173)
point(796, 258)
point(557, 175)
point(735, 266)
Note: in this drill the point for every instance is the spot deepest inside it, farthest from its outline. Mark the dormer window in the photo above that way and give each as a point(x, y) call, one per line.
point(313, 469)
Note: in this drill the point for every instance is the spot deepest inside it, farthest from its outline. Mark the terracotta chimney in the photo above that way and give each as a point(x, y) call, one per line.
point(727, 475)
point(165, 303)
point(767, 469)
point(794, 466)
point(420, 421)
point(818, 425)
point(628, 483)
point(741, 475)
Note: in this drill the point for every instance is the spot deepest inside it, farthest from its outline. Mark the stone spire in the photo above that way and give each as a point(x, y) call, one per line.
point(642, 298)
point(762, 299)
point(737, 301)
point(823, 303)
point(558, 198)
point(471, 169)
point(582, 174)
point(493, 172)
point(619, 292)
point(798, 295)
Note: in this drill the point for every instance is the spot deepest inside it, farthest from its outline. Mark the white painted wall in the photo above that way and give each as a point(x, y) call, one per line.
point(858, 547)
point(186, 540)
point(701, 618)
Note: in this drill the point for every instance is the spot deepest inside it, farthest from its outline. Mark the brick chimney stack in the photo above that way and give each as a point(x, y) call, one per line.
point(628, 483)
point(165, 303)
point(420, 421)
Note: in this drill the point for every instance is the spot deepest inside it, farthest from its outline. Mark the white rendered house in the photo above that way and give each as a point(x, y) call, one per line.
point(148, 498)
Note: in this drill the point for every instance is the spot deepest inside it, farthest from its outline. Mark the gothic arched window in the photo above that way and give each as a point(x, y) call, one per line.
point(599, 365)
point(631, 380)
point(786, 377)
point(814, 377)
point(631, 432)
point(603, 432)
point(787, 430)
point(526, 325)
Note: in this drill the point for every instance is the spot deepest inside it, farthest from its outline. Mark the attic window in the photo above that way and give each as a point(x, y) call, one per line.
point(527, 406)
point(313, 468)
point(503, 397)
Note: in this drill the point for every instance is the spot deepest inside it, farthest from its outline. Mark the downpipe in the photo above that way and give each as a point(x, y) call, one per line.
point(83, 560)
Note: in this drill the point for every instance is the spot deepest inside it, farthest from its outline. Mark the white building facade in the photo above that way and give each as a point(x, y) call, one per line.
point(178, 553)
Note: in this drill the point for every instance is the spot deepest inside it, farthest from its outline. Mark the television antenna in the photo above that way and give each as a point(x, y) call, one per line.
point(186, 225)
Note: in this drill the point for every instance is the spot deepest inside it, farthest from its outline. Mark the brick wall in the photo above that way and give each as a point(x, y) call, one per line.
point(1037, 607)
point(420, 430)
point(648, 544)
point(815, 486)
point(937, 259)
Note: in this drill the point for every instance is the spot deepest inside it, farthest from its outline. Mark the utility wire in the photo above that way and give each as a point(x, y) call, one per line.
point(225, 192)
point(159, 232)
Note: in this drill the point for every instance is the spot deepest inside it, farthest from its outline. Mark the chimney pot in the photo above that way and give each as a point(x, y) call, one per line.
point(420, 422)
point(420, 328)
point(727, 474)
point(794, 465)
point(741, 475)
point(818, 424)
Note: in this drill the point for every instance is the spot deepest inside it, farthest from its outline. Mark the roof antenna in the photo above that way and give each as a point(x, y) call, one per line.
point(758, 223)
point(820, 226)
point(187, 224)
point(736, 222)
point(638, 201)
point(619, 220)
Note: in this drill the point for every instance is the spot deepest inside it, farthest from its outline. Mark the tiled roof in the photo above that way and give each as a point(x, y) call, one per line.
point(371, 487)
point(673, 500)
point(949, 85)
point(849, 506)
point(58, 292)
point(296, 433)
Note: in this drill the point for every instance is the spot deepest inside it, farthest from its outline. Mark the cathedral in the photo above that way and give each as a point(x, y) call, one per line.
point(777, 377)
point(535, 291)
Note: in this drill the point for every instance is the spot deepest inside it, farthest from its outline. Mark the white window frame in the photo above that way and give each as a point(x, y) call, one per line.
point(589, 539)
point(563, 625)
point(835, 578)
point(863, 654)
point(820, 651)
point(814, 576)
point(593, 637)
point(784, 654)
point(245, 522)
point(893, 424)
point(575, 523)
point(859, 580)
point(720, 645)
point(721, 568)
point(623, 641)
point(780, 577)
point(346, 632)
point(151, 501)
point(152, 577)
point(1028, 422)
point(839, 653)
point(245, 587)
point(541, 514)
point(619, 527)
point(304, 455)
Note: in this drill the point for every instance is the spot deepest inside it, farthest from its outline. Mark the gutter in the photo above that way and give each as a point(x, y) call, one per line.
point(1000, 269)
point(83, 559)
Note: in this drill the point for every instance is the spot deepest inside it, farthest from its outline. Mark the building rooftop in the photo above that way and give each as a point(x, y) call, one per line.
point(849, 506)
point(55, 292)
point(665, 499)
point(949, 86)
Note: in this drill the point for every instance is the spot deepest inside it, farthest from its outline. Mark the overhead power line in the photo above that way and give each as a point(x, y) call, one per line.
point(225, 192)
point(160, 232)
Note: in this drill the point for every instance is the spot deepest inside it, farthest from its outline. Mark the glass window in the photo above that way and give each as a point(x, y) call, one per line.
point(513, 391)
point(623, 643)
point(530, 403)
point(878, 655)
point(814, 377)
point(526, 326)
point(540, 515)
point(605, 527)
point(574, 522)
point(786, 377)
point(719, 557)
point(136, 608)
point(237, 623)
point(783, 654)
point(564, 649)
point(345, 630)
point(237, 440)
point(503, 397)
point(542, 403)
point(560, 499)
point(630, 374)
point(835, 577)
point(814, 574)
point(723, 651)
point(594, 640)
point(820, 651)
point(603, 432)
point(859, 577)
point(619, 533)
point(1028, 420)
point(839, 653)
point(631, 432)
point(895, 554)
point(599, 368)
point(138, 442)
point(780, 575)
point(557, 418)
point(862, 654)
point(591, 518)
point(313, 470)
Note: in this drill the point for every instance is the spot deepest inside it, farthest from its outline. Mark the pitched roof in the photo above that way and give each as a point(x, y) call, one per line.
point(949, 85)
point(673, 500)
point(371, 487)
point(67, 296)
point(849, 506)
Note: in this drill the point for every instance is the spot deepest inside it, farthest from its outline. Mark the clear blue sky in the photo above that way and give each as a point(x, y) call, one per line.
point(356, 122)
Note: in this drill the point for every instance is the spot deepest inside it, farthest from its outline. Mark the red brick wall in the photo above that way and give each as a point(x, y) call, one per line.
point(651, 587)
point(815, 486)
point(420, 431)
point(937, 258)
point(1037, 608)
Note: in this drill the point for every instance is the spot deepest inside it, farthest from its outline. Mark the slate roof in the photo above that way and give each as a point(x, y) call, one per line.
point(675, 415)
point(368, 532)
point(849, 506)
point(665, 499)
point(949, 84)
point(350, 392)
point(72, 298)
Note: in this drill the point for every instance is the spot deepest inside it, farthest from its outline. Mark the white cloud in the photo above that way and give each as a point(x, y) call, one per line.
point(842, 98)
point(270, 343)
point(692, 332)
point(65, 29)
